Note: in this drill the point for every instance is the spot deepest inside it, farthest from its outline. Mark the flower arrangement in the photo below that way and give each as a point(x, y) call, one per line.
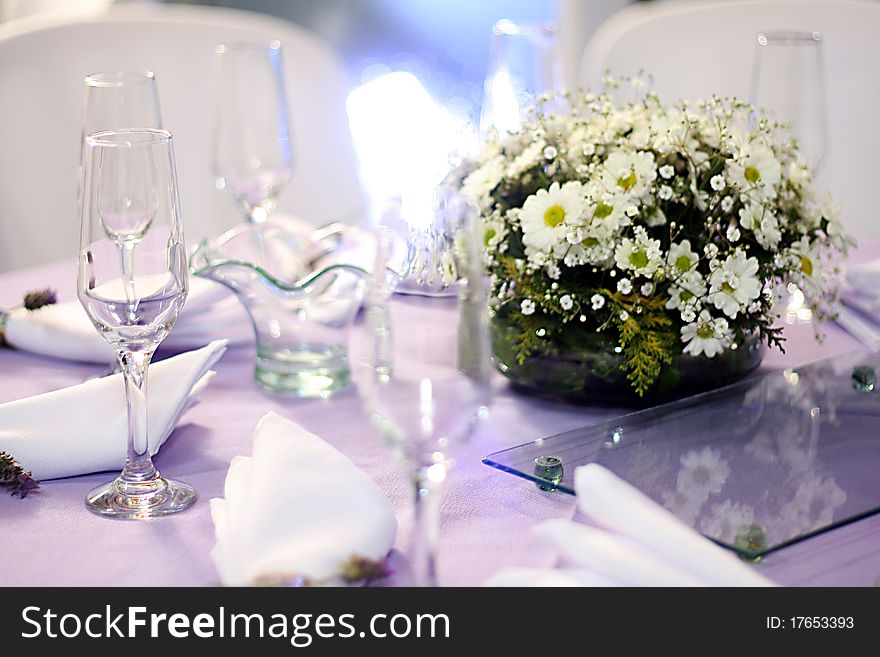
point(665, 227)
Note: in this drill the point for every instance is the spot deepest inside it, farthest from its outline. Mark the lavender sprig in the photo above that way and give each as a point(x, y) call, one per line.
point(38, 298)
point(355, 570)
point(15, 478)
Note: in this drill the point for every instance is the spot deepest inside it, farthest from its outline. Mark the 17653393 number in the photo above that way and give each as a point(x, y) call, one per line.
point(810, 623)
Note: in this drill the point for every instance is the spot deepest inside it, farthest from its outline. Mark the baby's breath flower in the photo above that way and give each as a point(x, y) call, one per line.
point(667, 171)
point(624, 286)
point(566, 302)
point(527, 307)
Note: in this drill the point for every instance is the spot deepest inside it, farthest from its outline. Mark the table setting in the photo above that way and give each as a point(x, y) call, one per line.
point(625, 341)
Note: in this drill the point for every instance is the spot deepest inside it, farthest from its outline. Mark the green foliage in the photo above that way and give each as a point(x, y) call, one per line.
point(646, 337)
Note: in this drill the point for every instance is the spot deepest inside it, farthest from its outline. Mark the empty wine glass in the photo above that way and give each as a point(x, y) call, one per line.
point(523, 65)
point(788, 80)
point(426, 378)
point(132, 281)
point(252, 149)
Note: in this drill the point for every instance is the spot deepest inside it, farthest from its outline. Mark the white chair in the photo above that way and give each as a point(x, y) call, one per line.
point(42, 66)
point(695, 49)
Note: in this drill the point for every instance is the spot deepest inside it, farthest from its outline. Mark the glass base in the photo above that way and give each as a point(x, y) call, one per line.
point(138, 501)
point(308, 371)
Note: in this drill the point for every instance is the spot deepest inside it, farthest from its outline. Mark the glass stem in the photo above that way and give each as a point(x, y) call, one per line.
point(256, 218)
point(428, 489)
point(127, 253)
point(139, 467)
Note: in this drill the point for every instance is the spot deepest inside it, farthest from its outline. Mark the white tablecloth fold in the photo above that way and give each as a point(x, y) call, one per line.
point(83, 428)
point(636, 543)
point(296, 508)
point(64, 331)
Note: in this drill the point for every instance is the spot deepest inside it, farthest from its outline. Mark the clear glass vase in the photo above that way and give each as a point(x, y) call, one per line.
point(301, 316)
point(589, 368)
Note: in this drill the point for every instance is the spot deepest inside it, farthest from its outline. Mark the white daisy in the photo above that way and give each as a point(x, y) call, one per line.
point(494, 232)
point(762, 223)
point(706, 335)
point(689, 287)
point(448, 268)
point(681, 258)
point(544, 215)
point(735, 284)
point(629, 172)
point(810, 274)
point(641, 255)
point(755, 169)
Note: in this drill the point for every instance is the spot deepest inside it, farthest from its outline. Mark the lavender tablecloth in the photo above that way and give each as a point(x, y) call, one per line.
point(50, 539)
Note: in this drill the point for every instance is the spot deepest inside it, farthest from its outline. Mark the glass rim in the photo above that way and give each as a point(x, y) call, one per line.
point(508, 27)
point(789, 37)
point(128, 137)
point(249, 46)
point(118, 78)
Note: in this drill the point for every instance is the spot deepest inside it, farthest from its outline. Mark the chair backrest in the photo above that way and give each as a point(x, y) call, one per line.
point(695, 49)
point(42, 66)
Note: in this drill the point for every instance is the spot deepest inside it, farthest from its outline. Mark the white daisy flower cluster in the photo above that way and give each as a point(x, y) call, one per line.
point(614, 213)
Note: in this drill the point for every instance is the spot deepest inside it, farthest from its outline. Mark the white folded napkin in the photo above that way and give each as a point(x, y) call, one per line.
point(639, 543)
point(297, 507)
point(83, 428)
point(63, 330)
point(865, 276)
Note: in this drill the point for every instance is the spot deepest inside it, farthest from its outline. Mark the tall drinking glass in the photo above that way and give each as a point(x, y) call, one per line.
point(132, 281)
point(252, 149)
point(426, 379)
point(788, 79)
point(523, 64)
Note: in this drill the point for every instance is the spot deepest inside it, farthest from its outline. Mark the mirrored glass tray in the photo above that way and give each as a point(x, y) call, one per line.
point(754, 466)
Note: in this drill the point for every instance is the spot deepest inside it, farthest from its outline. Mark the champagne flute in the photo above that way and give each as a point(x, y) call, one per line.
point(120, 99)
point(132, 280)
point(788, 80)
point(523, 65)
point(424, 387)
point(252, 149)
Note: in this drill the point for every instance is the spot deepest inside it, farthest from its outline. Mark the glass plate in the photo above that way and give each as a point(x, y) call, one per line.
point(754, 466)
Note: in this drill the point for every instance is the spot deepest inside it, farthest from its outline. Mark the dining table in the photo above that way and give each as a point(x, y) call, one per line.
point(49, 538)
